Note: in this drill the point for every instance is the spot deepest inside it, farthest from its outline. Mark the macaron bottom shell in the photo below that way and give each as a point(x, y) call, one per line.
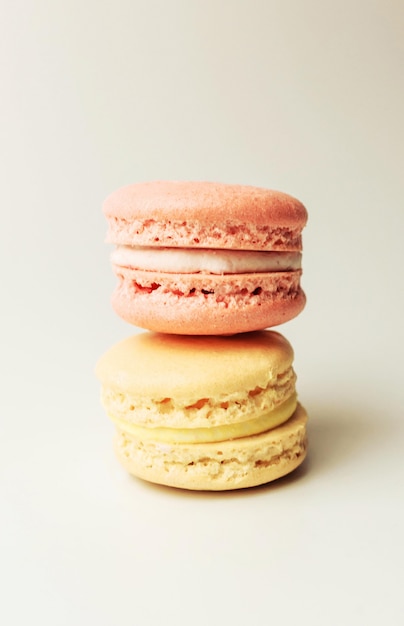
point(201, 304)
point(219, 466)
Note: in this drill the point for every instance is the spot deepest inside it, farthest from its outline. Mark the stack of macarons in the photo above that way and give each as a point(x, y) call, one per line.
point(205, 397)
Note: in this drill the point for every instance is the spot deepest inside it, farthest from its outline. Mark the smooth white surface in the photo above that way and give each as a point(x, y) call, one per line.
point(306, 97)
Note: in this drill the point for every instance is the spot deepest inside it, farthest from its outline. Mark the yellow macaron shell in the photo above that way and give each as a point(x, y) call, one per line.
point(191, 367)
point(172, 381)
point(230, 464)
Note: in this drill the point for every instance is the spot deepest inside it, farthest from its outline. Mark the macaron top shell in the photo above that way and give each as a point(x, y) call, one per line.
point(193, 367)
point(204, 214)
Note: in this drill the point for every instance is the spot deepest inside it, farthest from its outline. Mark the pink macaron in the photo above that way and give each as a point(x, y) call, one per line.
point(204, 258)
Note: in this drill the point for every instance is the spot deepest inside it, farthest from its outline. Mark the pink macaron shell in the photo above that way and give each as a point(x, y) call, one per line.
point(205, 304)
point(193, 234)
point(205, 215)
point(205, 201)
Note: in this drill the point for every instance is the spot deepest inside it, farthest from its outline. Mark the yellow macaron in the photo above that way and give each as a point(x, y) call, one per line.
point(207, 413)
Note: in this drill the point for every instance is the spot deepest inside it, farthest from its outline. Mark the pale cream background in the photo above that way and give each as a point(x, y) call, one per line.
point(304, 96)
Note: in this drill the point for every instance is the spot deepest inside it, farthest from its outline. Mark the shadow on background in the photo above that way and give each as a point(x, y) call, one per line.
point(339, 432)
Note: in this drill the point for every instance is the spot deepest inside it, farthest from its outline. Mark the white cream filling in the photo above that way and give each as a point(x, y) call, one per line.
point(194, 260)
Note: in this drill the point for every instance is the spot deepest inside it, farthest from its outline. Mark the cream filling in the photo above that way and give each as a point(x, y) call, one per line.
point(265, 422)
point(194, 260)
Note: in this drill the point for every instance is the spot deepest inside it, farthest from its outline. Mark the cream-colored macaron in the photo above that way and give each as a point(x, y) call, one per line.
point(208, 413)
